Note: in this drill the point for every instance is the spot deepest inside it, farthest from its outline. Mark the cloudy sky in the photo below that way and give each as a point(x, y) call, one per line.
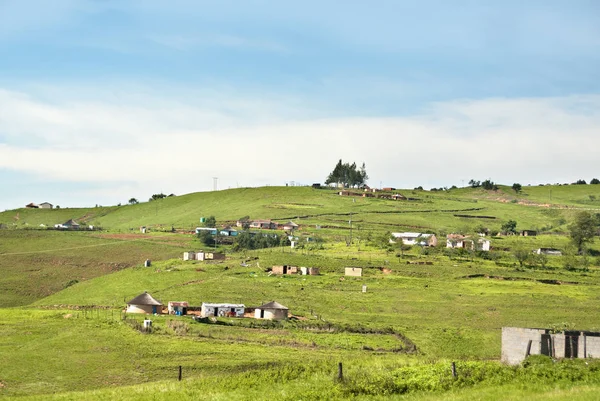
point(104, 100)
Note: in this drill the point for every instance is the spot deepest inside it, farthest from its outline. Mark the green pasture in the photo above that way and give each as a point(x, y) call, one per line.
point(35, 264)
point(63, 334)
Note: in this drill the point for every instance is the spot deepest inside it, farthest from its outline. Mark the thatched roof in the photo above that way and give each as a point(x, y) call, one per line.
point(144, 299)
point(272, 305)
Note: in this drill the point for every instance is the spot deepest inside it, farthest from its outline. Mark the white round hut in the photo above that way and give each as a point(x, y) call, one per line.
point(144, 303)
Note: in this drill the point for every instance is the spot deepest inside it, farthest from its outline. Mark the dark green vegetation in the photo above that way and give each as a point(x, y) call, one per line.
point(68, 337)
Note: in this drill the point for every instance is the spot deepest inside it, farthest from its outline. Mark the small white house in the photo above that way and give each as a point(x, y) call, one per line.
point(416, 239)
point(461, 241)
point(178, 307)
point(222, 310)
point(353, 271)
point(548, 251)
point(45, 205)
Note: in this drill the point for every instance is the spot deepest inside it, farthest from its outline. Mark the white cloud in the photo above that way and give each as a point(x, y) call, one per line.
point(152, 143)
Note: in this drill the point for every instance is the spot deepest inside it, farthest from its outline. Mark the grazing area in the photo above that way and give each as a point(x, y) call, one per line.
point(406, 321)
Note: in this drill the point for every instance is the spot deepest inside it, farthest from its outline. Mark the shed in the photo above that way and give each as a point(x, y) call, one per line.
point(45, 205)
point(144, 303)
point(524, 233)
point(222, 310)
point(353, 271)
point(178, 307)
point(31, 206)
point(272, 310)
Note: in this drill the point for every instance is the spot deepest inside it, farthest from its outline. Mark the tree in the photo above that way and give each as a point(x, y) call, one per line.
point(348, 175)
point(522, 255)
point(157, 196)
point(595, 181)
point(517, 187)
point(133, 201)
point(510, 227)
point(489, 185)
point(582, 230)
point(210, 222)
point(206, 237)
point(474, 184)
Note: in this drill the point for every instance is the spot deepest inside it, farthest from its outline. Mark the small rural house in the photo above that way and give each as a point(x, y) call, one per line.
point(222, 310)
point(272, 310)
point(353, 271)
point(289, 226)
point(45, 205)
point(528, 233)
point(178, 308)
point(461, 241)
point(211, 230)
point(548, 251)
point(416, 239)
point(284, 269)
point(31, 206)
point(144, 303)
point(309, 271)
point(263, 224)
point(228, 232)
point(68, 225)
point(518, 343)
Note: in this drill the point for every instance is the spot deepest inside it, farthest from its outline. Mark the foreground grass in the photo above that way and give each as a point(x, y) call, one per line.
point(371, 380)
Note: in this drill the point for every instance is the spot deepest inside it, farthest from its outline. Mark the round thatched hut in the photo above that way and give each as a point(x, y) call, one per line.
point(144, 303)
point(272, 310)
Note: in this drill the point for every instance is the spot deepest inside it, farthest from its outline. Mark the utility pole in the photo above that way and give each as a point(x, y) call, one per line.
point(215, 183)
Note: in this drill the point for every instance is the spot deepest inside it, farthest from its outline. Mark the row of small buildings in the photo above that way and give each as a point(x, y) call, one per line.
point(147, 304)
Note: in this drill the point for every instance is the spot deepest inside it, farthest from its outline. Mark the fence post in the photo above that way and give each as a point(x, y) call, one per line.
point(454, 370)
point(179, 372)
point(340, 375)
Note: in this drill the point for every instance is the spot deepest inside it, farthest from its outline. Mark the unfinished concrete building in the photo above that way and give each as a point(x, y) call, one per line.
point(518, 343)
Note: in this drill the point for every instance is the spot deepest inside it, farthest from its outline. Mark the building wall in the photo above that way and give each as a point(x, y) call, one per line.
point(45, 206)
point(592, 346)
point(271, 314)
point(277, 269)
point(189, 256)
point(514, 343)
point(515, 340)
point(353, 271)
point(313, 271)
point(142, 309)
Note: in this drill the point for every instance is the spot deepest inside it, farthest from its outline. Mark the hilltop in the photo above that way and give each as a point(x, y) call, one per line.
point(542, 207)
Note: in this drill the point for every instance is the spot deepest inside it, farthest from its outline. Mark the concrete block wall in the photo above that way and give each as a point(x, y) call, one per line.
point(592, 346)
point(514, 343)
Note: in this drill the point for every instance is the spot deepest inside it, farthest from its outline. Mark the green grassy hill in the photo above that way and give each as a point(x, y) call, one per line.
point(63, 335)
point(432, 210)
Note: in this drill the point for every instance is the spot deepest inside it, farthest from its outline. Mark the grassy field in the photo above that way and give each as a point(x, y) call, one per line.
point(431, 210)
point(63, 334)
point(35, 264)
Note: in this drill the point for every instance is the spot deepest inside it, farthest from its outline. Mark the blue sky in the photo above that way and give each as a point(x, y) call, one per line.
point(105, 100)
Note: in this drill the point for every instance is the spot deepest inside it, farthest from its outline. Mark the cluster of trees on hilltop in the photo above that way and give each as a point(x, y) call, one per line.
point(348, 175)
